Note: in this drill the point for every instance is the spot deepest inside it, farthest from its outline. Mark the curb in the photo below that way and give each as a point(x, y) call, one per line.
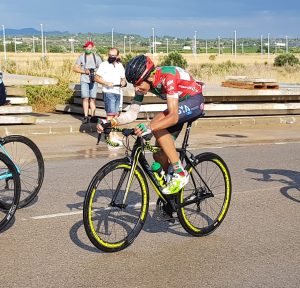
point(67, 124)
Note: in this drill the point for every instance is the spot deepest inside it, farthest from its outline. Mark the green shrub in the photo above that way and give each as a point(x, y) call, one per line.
point(212, 57)
point(286, 59)
point(174, 59)
point(45, 98)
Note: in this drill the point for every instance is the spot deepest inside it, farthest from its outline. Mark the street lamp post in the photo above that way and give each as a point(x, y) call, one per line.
point(112, 37)
point(42, 35)
point(33, 45)
point(234, 43)
point(153, 42)
point(195, 43)
point(268, 45)
point(125, 45)
point(261, 45)
point(4, 43)
point(15, 44)
point(167, 46)
point(45, 48)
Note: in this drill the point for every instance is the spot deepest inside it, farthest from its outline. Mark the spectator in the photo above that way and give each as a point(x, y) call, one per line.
point(111, 74)
point(3, 100)
point(87, 64)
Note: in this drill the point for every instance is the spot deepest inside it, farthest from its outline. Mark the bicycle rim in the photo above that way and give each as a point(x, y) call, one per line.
point(9, 190)
point(109, 226)
point(30, 164)
point(212, 190)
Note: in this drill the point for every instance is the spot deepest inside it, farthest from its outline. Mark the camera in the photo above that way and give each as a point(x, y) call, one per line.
point(92, 75)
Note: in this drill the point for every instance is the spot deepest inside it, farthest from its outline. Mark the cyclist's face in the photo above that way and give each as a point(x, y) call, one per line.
point(143, 87)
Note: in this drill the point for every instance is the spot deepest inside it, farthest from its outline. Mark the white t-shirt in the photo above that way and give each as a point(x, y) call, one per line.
point(111, 73)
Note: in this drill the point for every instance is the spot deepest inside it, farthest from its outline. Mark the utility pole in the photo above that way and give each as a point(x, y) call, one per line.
point(4, 43)
point(261, 46)
point(42, 35)
point(112, 37)
point(268, 45)
point(219, 45)
point(153, 42)
point(195, 43)
point(234, 43)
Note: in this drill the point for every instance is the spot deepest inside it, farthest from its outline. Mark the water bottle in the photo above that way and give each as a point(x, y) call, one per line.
point(159, 173)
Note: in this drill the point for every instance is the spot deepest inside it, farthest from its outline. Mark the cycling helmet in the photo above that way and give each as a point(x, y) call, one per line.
point(138, 69)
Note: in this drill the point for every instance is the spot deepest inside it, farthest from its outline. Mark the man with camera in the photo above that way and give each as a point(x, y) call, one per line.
point(87, 65)
point(111, 74)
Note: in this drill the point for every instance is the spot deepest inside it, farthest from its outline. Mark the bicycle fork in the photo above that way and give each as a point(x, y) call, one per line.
point(129, 182)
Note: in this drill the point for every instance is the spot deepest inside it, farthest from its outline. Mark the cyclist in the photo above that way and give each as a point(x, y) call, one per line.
point(185, 102)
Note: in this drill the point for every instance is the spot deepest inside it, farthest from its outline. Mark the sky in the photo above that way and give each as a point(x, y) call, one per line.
point(186, 18)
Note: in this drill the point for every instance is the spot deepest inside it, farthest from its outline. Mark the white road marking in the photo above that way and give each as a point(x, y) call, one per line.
point(57, 215)
point(71, 213)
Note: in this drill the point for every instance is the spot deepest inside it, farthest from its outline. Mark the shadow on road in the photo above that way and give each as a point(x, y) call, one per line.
point(152, 225)
point(291, 180)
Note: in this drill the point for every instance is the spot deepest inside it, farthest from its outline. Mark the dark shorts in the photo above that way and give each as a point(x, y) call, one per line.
point(189, 109)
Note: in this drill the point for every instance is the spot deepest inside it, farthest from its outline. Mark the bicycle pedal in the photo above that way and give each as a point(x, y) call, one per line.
point(161, 216)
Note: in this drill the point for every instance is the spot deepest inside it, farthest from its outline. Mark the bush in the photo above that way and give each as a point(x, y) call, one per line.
point(286, 59)
point(174, 59)
point(45, 98)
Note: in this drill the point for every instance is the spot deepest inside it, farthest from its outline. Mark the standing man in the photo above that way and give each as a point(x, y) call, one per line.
point(87, 65)
point(111, 74)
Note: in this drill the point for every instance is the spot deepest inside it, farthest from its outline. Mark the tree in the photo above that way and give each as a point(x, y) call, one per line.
point(286, 59)
point(174, 59)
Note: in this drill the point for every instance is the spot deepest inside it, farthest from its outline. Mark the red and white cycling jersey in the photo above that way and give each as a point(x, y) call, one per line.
point(175, 82)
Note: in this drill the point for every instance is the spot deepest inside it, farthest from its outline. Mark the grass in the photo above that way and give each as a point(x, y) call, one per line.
point(211, 68)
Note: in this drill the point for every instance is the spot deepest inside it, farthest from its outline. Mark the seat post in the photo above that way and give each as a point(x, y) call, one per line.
point(186, 135)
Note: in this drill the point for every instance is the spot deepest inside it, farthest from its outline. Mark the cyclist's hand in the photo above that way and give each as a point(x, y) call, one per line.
point(99, 128)
point(103, 126)
point(142, 129)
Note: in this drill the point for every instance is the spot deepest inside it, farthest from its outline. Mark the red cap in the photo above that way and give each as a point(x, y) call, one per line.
point(88, 43)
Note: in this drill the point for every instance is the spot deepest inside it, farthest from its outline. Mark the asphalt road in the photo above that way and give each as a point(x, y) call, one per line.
point(257, 245)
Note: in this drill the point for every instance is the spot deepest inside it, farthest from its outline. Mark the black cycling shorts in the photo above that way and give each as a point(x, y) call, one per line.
point(190, 109)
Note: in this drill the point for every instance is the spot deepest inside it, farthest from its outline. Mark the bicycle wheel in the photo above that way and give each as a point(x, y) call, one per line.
point(205, 199)
point(112, 219)
point(30, 164)
point(9, 190)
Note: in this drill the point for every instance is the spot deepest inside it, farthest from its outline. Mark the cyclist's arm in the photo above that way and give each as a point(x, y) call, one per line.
point(132, 113)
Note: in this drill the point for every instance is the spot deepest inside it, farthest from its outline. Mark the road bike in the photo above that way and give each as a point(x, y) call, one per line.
point(117, 199)
point(9, 190)
point(29, 163)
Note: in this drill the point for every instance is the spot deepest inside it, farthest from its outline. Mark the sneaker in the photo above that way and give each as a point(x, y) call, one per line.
point(112, 143)
point(85, 120)
point(176, 184)
point(117, 140)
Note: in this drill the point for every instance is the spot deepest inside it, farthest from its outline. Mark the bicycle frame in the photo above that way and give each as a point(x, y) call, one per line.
point(137, 157)
point(6, 153)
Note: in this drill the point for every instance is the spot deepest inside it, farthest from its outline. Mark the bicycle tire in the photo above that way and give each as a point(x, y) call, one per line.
point(109, 228)
point(29, 160)
point(204, 216)
point(9, 190)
